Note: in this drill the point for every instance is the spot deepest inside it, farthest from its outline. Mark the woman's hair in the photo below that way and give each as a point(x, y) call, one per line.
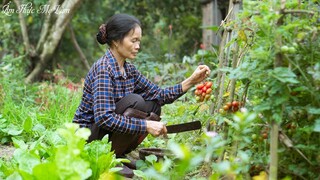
point(116, 28)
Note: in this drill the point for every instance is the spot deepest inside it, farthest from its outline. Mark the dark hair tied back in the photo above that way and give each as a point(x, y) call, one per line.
point(102, 34)
point(116, 28)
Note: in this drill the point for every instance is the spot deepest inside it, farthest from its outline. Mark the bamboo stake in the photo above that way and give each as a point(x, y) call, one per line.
point(234, 65)
point(275, 125)
point(217, 94)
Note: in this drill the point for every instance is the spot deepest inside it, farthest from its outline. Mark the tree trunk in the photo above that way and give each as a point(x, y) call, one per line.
point(77, 47)
point(56, 21)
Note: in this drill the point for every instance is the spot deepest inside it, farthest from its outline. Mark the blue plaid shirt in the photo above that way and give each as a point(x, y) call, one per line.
point(104, 85)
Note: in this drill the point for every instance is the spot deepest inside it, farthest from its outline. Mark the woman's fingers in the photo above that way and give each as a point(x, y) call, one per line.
point(156, 128)
point(200, 73)
point(164, 131)
point(204, 68)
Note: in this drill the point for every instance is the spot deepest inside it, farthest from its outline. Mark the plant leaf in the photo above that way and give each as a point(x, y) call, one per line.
point(27, 124)
point(317, 126)
point(285, 75)
point(19, 143)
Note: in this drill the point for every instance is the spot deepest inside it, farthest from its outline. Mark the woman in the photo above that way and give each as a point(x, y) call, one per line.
point(117, 99)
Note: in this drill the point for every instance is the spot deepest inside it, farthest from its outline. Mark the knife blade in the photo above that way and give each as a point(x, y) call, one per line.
point(189, 126)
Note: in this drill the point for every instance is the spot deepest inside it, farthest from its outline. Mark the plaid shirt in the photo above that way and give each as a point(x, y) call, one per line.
point(105, 85)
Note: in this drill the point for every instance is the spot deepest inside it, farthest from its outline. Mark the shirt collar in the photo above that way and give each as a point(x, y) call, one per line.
point(114, 65)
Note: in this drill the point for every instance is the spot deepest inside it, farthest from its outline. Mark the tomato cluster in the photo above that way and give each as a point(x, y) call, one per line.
point(289, 49)
point(231, 106)
point(203, 91)
point(264, 133)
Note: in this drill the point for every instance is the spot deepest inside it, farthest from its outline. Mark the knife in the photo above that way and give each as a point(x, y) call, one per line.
point(189, 126)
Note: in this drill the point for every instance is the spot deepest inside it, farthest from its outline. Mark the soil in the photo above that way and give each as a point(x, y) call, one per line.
point(6, 152)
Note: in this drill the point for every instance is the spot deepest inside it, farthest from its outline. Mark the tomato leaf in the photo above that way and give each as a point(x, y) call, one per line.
point(317, 126)
point(284, 75)
point(314, 110)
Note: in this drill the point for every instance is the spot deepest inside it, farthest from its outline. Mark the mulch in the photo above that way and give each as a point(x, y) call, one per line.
point(6, 152)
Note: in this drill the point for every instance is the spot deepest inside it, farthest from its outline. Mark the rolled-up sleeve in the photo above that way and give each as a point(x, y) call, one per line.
point(151, 91)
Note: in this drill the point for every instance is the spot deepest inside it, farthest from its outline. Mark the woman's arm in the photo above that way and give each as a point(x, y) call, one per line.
point(151, 91)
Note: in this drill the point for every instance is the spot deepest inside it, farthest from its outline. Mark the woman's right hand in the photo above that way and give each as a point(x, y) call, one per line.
point(156, 128)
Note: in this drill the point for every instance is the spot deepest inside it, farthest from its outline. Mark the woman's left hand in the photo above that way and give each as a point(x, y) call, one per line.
point(200, 74)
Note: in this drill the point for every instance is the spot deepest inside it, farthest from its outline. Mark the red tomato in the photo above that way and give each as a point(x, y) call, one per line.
point(202, 46)
point(235, 104)
point(208, 90)
point(229, 104)
point(226, 107)
point(197, 92)
point(200, 86)
point(204, 89)
point(235, 108)
point(264, 135)
point(208, 84)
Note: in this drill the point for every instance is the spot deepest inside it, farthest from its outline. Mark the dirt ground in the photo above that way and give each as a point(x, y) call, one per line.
point(6, 152)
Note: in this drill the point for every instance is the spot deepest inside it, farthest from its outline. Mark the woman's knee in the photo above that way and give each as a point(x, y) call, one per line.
point(137, 101)
point(129, 101)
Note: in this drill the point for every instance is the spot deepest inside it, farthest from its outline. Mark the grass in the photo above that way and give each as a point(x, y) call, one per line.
point(48, 104)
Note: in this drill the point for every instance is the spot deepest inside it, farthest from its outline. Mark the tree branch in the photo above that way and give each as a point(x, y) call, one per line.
point(47, 24)
point(298, 11)
point(77, 47)
point(24, 31)
point(53, 37)
point(286, 11)
point(5, 2)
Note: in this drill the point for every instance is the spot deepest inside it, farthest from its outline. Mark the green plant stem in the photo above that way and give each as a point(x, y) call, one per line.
point(274, 150)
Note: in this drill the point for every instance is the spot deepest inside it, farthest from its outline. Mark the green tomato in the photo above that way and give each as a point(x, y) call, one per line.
point(254, 136)
point(284, 49)
point(222, 112)
point(295, 45)
point(292, 50)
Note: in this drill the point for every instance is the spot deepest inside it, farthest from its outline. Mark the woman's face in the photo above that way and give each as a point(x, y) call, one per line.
point(130, 45)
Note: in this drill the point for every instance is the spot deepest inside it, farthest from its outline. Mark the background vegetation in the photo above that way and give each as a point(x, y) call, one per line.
point(277, 80)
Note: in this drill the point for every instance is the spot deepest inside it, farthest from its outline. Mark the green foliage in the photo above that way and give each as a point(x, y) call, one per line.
point(283, 91)
point(158, 39)
point(190, 162)
point(237, 146)
point(62, 154)
point(29, 109)
point(183, 16)
point(286, 93)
